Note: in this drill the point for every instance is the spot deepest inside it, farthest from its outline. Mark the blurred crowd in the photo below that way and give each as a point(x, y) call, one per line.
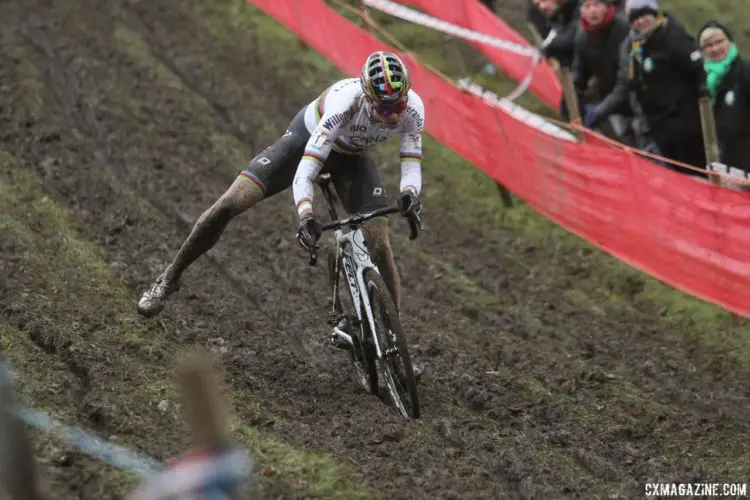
point(639, 75)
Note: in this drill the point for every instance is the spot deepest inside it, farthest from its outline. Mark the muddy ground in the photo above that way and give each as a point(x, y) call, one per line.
point(525, 394)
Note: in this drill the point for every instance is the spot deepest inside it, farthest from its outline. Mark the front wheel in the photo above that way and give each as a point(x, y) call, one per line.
point(395, 363)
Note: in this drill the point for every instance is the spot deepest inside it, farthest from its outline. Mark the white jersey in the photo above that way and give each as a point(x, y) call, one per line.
point(339, 120)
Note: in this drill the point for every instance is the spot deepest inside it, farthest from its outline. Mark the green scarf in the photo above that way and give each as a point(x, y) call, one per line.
point(717, 70)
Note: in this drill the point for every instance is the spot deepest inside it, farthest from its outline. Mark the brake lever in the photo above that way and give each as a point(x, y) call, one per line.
point(313, 255)
point(415, 225)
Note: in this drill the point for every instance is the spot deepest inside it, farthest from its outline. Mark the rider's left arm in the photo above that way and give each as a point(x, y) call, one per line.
point(411, 163)
point(411, 147)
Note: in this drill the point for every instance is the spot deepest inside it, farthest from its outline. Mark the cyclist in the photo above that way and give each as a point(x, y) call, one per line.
point(334, 133)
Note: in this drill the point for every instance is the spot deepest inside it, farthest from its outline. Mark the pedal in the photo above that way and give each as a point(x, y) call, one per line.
point(390, 352)
point(340, 339)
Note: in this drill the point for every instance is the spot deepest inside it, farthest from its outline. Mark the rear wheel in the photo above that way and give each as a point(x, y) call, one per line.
point(362, 351)
point(395, 363)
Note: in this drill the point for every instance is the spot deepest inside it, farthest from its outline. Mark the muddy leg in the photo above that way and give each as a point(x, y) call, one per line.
point(240, 196)
point(380, 246)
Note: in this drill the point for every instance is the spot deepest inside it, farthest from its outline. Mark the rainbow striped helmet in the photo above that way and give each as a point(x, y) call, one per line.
point(385, 79)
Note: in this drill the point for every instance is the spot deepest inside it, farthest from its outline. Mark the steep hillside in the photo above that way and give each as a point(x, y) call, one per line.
point(551, 369)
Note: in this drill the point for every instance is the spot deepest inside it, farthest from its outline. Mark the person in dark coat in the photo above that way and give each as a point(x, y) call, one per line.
point(597, 54)
point(559, 42)
point(562, 17)
point(728, 85)
point(537, 19)
point(661, 65)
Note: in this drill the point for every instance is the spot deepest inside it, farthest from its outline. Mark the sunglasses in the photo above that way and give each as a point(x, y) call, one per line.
point(389, 109)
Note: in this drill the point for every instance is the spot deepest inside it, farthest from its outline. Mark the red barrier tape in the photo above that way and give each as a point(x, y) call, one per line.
point(692, 235)
point(477, 17)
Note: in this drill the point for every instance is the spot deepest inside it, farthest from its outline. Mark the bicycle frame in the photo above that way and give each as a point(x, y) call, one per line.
point(352, 253)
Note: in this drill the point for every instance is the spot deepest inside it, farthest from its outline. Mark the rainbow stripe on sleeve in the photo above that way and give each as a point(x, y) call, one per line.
point(304, 205)
point(411, 156)
point(313, 157)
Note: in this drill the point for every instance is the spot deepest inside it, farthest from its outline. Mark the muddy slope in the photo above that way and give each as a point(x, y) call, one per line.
point(512, 407)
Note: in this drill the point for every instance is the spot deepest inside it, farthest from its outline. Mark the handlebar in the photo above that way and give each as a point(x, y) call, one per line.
point(355, 220)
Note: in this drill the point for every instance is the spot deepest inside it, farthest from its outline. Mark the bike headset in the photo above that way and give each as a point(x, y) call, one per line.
point(385, 82)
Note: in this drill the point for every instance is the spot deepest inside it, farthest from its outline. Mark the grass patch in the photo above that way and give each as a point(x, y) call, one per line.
point(86, 313)
point(232, 149)
point(139, 52)
point(693, 13)
point(44, 382)
point(31, 86)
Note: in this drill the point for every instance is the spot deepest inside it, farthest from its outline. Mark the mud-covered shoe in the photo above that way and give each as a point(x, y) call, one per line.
point(153, 300)
point(337, 341)
point(418, 371)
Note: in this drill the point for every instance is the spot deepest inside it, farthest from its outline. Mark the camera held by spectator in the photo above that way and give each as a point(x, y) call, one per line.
point(728, 85)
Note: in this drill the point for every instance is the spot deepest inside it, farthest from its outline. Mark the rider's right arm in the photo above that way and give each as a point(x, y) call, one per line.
point(338, 111)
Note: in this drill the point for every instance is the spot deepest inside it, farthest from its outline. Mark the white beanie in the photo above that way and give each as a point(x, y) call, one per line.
point(642, 5)
point(638, 8)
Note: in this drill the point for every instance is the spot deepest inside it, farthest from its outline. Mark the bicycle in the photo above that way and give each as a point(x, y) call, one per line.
point(366, 308)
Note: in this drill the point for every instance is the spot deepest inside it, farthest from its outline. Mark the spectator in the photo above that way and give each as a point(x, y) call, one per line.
point(562, 19)
point(537, 19)
point(661, 65)
point(562, 22)
point(597, 54)
point(728, 84)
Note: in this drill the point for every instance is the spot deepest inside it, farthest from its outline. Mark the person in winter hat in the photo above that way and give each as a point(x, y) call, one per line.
point(728, 85)
point(597, 53)
point(661, 66)
point(637, 9)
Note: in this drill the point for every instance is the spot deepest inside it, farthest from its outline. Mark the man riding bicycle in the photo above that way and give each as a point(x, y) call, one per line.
point(334, 134)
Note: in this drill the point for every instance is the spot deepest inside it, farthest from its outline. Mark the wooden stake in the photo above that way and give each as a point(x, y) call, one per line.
point(18, 472)
point(571, 97)
point(203, 409)
point(710, 138)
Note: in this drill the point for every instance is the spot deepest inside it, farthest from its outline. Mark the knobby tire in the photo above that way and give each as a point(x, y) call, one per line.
point(381, 300)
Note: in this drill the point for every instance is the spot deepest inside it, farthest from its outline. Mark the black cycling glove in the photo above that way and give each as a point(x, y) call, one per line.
point(409, 204)
point(308, 232)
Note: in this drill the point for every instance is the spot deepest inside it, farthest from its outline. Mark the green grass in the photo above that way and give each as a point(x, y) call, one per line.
point(42, 379)
point(139, 51)
point(67, 287)
point(693, 13)
point(31, 84)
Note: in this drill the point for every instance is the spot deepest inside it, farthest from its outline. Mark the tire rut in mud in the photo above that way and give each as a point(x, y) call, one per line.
point(126, 137)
